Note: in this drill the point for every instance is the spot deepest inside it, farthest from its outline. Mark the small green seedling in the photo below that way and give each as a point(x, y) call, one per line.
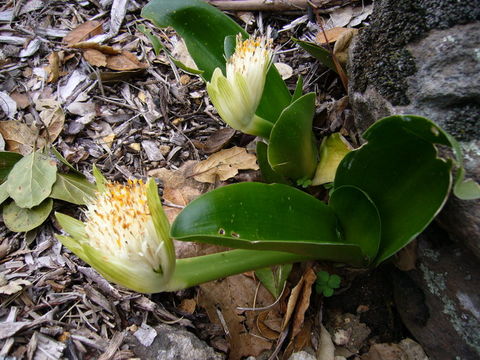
point(327, 283)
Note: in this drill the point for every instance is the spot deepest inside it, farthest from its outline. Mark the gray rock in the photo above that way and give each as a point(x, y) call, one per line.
point(439, 300)
point(302, 355)
point(173, 343)
point(422, 57)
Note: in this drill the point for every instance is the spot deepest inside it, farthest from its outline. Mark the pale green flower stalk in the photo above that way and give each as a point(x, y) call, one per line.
point(126, 239)
point(236, 96)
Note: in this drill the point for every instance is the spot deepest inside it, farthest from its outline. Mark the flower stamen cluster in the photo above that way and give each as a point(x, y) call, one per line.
point(118, 223)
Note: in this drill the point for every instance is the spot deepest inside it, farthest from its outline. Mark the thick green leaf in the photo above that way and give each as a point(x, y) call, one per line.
point(202, 26)
point(274, 278)
point(3, 192)
point(399, 170)
point(298, 89)
point(73, 188)
point(359, 219)
point(318, 52)
point(20, 219)
point(7, 161)
point(292, 151)
point(265, 217)
point(31, 179)
point(204, 29)
point(268, 174)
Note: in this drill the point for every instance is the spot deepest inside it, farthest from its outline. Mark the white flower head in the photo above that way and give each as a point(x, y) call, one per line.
point(236, 96)
point(125, 236)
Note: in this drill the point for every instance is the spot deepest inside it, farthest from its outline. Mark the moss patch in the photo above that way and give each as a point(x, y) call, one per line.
point(381, 57)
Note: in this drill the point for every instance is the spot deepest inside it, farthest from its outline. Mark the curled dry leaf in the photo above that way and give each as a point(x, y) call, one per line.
point(85, 45)
point(263, 327)
point(224, 164)
point(14, 286)
point(220, 299)
point(19, 137)
point(52, 117)
point(95, 57)
point(178, 188)
point(53, 68)
point(340, 50)
point(126, 61)
point(84, 31)
point(331, 35)
point(216, 141)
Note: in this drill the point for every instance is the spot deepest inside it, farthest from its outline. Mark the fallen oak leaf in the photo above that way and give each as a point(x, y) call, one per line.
point(216, 141)
point(224, 164)
point(19, 137)
point(105, 49)
point(95, 57)
point(125, 61)
point(84, 31)
point(331, 35)
point(53, 68)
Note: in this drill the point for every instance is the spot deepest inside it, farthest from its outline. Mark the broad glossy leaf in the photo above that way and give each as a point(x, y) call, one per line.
point(359, 219)
point(3, 193)
point(318, 52)
point(204, 29)
point(298, 89)
point(73, 188)
point(399, 170)
point(202, 26)
point(268, 174)
point(292, 151)
point(31, 179)
point(7, 161)
point(20, 219)
point(265, 217)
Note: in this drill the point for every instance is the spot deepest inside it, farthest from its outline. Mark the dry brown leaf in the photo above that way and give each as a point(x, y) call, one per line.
point(53, 68)
point(221, 298)
point(301, 341)
point(263, 327)
point(14, 286)
point(188, 306)
point(178, 188)
point(95, 57)
point(19, 137)
point(216, 141)
point(331, 35)
point(126, 61)
point(224, 165)
point(299, 301)
point(84, 31)
point(85, 45)
point(340, 50)
point(21, 99)
point(52, 117)
point(303, 301)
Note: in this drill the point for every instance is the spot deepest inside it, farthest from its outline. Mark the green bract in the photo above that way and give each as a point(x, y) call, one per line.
point(237, 95)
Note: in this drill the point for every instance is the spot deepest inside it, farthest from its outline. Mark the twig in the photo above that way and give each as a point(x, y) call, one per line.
point(261, 5)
